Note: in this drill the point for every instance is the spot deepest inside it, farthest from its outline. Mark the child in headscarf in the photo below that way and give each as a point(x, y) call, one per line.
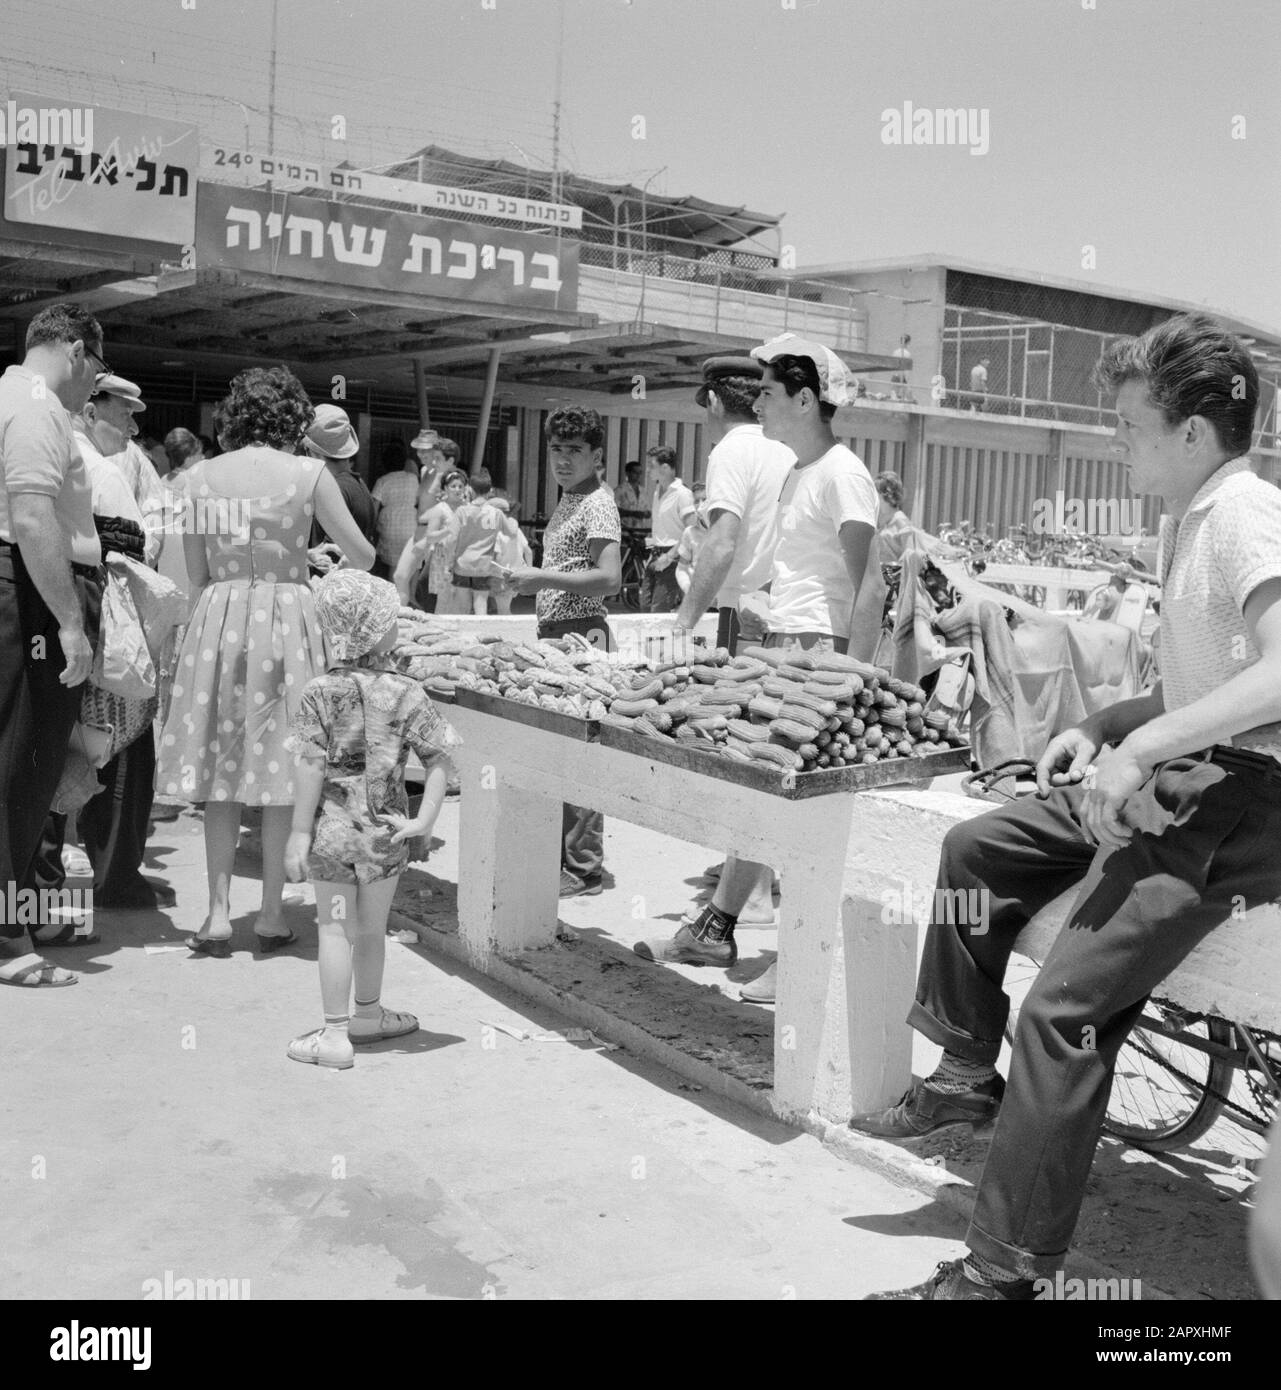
point(353, 731)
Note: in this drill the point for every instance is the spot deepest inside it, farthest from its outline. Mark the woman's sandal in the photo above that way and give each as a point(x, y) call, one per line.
point(38, 973)
point(217, 947)
point(268, 944)
point(70, 935)
point(310, 1047)
point(393, 1025)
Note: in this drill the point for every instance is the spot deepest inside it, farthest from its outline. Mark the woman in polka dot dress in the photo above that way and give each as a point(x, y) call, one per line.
point(253, 641)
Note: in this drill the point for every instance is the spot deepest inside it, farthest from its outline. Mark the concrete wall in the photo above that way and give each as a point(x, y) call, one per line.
point(903, 301)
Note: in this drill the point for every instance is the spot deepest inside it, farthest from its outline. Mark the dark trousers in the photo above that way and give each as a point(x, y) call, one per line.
point(659, 591)
point(46, 864)
point(113, 824)
point(1204, 843)
point(37, 712)
point(727, 629)
point(582, 830)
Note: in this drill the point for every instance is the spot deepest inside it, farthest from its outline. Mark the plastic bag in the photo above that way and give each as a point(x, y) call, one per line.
point(158, 602)
point(123, 664)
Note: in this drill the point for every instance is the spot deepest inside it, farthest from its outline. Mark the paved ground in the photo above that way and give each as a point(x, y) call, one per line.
point(153, 1124)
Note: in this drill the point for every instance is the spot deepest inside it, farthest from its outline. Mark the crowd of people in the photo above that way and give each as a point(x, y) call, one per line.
point(272, 691)
point(274, 684)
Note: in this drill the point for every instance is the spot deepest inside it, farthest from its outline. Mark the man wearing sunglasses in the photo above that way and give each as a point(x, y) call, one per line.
point(50, 594)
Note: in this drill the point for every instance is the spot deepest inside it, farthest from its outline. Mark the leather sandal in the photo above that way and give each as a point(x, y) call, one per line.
point(392, 1025)
point(38, 973)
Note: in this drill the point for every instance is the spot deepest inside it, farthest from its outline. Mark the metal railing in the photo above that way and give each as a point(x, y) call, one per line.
point(730, 269)
point(715, 303)
point(1041, 371)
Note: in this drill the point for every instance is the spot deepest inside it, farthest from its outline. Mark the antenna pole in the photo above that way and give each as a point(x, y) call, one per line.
point(271, 89)
point(556, 102)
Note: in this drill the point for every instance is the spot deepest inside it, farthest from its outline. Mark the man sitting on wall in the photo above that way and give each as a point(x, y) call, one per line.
point(1165, 808)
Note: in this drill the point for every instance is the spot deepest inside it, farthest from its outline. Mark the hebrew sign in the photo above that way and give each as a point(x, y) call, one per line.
point(300, 175)
point(374, 248)
point(115, 173)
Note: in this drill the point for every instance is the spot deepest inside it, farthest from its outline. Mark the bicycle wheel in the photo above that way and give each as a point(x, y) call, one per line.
point(1258, 1086)
point(1165, 1094)
point(629, 594)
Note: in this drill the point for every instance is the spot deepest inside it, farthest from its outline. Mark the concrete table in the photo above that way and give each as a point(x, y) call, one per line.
point(846, 966)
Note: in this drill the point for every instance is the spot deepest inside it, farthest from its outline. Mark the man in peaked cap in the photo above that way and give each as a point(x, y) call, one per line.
point(745, 474)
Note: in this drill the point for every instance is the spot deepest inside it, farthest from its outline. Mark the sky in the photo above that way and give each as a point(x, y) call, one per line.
point(1146, 130)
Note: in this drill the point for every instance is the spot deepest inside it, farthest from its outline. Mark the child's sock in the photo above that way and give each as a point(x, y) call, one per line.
point(336, 1026)
point(371, 1012)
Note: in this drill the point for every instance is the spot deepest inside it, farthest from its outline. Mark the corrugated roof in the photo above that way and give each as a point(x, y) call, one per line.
point(604, 204)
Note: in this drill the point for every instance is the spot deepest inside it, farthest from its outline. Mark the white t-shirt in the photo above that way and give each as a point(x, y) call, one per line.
point(745, 475)
point(811, 589)
point(669, 513)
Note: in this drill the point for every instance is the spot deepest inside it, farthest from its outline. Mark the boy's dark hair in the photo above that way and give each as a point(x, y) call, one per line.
point(64, 323)
point(576, 422)
point(266, 405)
point(1190, 366)
point(664, 454)
point(632, 466)
point(890, 486)
point(737, 395)
point(450, 450)
point(793, 373)
point(481, 483)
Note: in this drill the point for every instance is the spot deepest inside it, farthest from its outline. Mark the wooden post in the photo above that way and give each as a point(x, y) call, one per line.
point(364, 433)
point(914, 465)
point(486, 407)
point(420, 391)
point(1058, 458)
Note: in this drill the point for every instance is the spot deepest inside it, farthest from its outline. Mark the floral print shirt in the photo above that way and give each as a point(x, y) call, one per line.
point(365, 720)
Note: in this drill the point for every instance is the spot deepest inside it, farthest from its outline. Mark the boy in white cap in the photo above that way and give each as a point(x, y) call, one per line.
point(353, 732)
point(827, 518)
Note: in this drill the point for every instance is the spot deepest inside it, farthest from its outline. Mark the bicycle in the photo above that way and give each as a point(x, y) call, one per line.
point(632, 569)
point(1178, 1071)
